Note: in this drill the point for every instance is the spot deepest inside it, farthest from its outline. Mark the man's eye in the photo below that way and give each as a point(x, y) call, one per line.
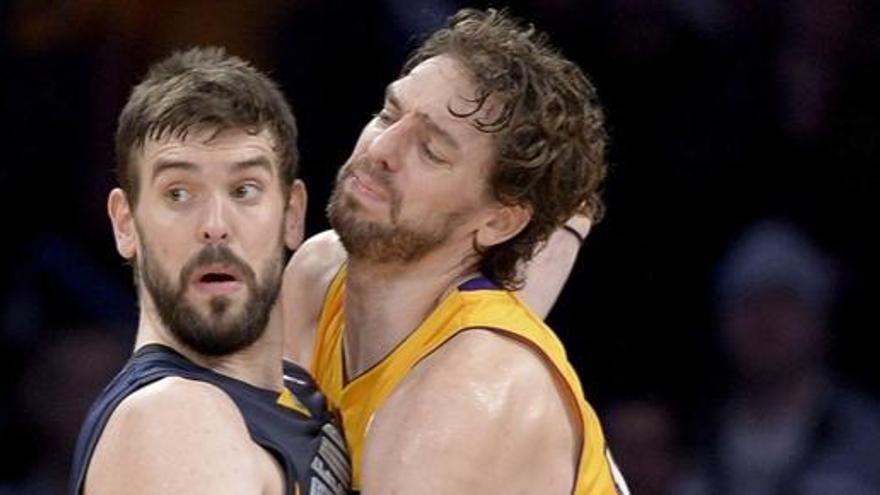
point(385, 117)
point(178, 194)
point(430, 155)
point(246, 191)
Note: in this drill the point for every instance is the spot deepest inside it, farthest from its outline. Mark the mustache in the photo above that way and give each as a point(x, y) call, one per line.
point(377, 174)
point(217, 254)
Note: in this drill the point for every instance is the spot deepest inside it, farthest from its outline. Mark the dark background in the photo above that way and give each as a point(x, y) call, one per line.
point(721, 113)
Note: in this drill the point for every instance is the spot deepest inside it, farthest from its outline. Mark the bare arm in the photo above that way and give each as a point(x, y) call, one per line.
point(180, 436)
point(546, 274)
point(483, 414)
point(306, 279)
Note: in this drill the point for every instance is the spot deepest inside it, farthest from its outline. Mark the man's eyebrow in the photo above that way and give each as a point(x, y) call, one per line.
point(256, 162)
point(163, 165)
point(391, 96)
point(440, 132)
point(434, 128)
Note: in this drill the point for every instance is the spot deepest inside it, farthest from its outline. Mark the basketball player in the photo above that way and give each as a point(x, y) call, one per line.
point(207, 160)
point(446, 381)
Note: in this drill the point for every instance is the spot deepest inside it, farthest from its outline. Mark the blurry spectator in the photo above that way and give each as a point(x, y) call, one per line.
point(788, 425)
point(817, 46)
point(56, 390)
point(644, 436)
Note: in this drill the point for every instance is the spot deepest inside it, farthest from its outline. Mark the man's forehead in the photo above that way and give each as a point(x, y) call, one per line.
point(441, 79)
point(222, 145)
point(444, 89)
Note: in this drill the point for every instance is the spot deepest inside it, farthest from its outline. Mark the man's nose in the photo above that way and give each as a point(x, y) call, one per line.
point(388, 146)
point(215, 226)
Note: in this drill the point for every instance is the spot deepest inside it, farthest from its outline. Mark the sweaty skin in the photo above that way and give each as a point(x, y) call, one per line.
point(485, 413)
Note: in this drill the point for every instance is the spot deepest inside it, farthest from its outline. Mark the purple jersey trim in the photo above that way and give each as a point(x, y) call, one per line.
point(479, 283)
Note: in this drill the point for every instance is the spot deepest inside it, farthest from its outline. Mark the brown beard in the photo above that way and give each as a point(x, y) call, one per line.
point(377, 242)
point(212, 335)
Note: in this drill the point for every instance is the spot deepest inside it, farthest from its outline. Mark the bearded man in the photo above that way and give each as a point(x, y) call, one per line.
point(207, 164)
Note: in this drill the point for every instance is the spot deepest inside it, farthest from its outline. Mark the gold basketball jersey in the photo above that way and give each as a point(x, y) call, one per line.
point(475, 304)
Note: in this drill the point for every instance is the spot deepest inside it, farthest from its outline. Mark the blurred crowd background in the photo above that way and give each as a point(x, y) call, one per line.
point(721, 317)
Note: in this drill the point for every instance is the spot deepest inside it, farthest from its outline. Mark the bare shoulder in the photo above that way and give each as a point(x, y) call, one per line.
point(179, 436)
point(313, 265)
point(318, 255)
point(483, 413)
point(306, 279)
point(487, 363)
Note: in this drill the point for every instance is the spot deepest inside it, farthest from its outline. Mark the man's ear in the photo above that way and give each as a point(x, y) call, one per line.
point(294, 222)
point(503, 223)
point(122, 218)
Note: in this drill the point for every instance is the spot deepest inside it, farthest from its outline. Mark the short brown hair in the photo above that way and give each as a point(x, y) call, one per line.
point(203, 87)
point(549, 132)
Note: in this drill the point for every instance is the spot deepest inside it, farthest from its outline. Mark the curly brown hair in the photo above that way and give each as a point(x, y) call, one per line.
point(203, 87)
point(549, 132)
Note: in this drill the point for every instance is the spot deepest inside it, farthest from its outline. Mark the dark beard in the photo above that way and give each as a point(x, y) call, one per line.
point(375, 242)
point(212, 336)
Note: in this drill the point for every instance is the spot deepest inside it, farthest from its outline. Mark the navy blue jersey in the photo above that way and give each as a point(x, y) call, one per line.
point(301, 434)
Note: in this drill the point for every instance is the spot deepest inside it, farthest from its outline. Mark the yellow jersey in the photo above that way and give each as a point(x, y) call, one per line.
point(475, 304)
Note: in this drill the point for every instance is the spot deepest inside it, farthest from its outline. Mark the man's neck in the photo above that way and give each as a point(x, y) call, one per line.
point(260, 364)
point(385, 303)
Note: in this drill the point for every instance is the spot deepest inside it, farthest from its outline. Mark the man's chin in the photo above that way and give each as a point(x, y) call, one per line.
point(216, 333)
point(217, 309)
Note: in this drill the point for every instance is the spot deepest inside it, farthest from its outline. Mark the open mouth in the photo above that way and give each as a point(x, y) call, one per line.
point(215, 277)
point(217, 280)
